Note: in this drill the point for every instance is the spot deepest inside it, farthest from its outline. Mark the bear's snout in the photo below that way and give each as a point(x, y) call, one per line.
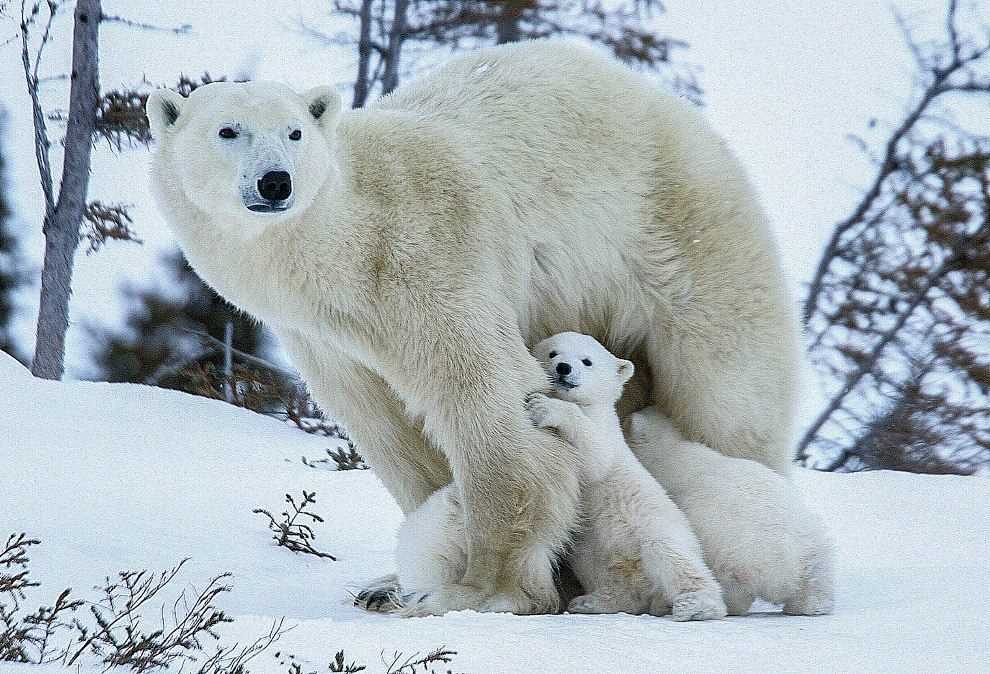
point(563, 369)
point(275, 185)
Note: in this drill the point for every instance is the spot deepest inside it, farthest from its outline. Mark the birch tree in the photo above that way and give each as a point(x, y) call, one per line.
point(63, 210)
point(116, 117)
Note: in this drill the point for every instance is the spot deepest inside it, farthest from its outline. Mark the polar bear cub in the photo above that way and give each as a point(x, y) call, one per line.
point(636, 552)
point(758, 537)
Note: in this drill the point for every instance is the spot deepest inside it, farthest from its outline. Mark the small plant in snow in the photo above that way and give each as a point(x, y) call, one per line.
point(341, 460)
point(412, 664)
point(294, 531)
point(338, 665)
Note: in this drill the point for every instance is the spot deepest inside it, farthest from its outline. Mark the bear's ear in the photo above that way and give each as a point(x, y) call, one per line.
point(323, 104)
point(163, 109)
point(626, 370)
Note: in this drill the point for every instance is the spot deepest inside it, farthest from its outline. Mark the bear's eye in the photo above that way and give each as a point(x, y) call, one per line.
point(553, 354)
point(587, 363)
point(295, 135)
point(227, 132)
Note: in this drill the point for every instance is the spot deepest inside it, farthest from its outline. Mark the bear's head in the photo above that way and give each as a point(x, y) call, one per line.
point(245, 154)
point(581, 370)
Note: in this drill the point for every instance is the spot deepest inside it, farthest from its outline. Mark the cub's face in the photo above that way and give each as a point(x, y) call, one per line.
point(246, 154)
point(581, 370)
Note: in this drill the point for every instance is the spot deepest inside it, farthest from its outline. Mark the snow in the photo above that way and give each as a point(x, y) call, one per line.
point(117, 476)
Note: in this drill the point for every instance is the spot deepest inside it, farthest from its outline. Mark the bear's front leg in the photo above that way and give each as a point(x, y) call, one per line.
point(518, 484)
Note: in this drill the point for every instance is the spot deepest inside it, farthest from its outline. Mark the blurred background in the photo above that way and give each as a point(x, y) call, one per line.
point(865, 128)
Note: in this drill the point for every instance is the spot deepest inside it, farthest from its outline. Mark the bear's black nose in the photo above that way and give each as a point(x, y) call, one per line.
point(563, 368)
point(275, 185)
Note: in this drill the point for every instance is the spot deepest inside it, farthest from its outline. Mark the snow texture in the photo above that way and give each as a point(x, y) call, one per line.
point(118, 476)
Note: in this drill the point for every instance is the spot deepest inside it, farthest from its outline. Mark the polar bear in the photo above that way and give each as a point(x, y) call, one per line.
point(407, 254)
point(635, 551)
point(758, 538)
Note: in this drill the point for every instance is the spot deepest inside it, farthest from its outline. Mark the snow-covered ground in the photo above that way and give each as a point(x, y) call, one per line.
point(115, 476)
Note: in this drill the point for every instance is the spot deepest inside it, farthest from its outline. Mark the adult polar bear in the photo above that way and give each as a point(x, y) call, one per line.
point(408, 253)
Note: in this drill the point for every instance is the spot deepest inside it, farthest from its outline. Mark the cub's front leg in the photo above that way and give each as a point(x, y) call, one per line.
point(566, 417)
point(595, 454)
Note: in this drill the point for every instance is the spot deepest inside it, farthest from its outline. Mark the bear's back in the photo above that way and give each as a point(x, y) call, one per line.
point(514, 78)
point(540, 96)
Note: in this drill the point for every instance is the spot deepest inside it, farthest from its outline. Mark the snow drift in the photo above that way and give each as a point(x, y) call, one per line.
point(120, 476)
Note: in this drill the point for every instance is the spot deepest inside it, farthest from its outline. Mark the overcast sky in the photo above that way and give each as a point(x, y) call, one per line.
point(784, 83)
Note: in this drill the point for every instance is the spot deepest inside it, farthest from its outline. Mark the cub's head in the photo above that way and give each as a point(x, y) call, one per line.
point(247, 154)
point(581, 370)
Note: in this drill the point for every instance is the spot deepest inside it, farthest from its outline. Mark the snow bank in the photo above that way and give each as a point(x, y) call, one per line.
point(116, 476)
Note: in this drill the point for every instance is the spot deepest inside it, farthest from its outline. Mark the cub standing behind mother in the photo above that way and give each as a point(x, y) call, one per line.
point(759, 539)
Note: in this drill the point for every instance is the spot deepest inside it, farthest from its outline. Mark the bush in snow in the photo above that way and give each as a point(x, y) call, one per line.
point(293, 531)
point(117, 636)
point(28, 638)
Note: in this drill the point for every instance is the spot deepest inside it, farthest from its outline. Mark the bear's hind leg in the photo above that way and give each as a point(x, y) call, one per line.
point(815, 595)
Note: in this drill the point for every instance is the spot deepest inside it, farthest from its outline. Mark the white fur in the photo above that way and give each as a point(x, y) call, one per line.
point(436, 234)
point(635, 551)
point(758, 537)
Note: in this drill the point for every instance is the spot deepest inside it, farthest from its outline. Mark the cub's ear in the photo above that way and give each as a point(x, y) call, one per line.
point(323, 104)
point(626, 370)
point(163, 108)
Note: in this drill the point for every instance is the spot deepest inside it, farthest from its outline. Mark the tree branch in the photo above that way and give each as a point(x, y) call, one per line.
point(939, 85)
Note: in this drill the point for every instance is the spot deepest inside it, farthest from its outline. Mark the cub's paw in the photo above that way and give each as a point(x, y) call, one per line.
point(698, 606)
point(547, 412)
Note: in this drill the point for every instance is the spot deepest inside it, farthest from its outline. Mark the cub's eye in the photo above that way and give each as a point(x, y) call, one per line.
point(553, 354)
point(295, 135)
point(587, 363)
point(227, 132)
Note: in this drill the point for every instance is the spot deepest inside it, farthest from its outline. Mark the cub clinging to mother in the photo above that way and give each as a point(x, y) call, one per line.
point(633, 552)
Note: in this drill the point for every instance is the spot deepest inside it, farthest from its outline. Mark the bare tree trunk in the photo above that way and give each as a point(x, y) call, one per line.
point(361, 84)
point(61, 228)
point(396, 36)
point(507, 24)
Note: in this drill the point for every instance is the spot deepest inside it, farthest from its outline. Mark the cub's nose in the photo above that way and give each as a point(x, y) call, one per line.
point(563, 368)
point(275, 185)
